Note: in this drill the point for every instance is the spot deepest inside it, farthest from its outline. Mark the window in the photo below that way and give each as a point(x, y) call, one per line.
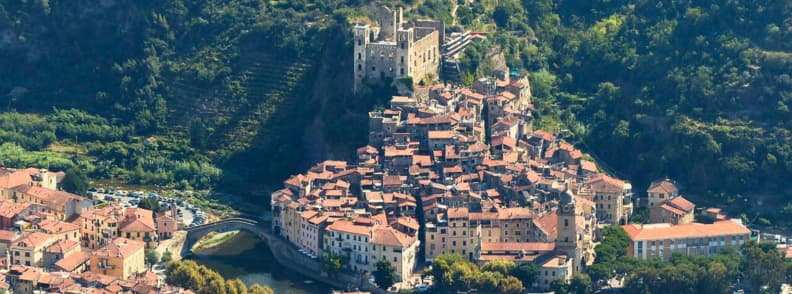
point(373, 68)
point(566, 222)
point(401, 71)
point(360, 42)
point(27, 254)
point(360, 56)
point(402, 60)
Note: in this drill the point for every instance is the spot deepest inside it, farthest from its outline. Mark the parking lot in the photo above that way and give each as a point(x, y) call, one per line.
point(186, 213)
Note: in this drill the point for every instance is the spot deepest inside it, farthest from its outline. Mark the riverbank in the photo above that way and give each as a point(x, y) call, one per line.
point(249, 258)
point(212, 242)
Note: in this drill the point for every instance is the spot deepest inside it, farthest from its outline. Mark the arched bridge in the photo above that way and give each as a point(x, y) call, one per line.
point(285, 253)
point(230, 224)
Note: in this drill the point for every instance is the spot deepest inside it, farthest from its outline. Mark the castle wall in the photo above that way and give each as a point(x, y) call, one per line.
point(396, 51)
point(381, 61)
point(425, 56)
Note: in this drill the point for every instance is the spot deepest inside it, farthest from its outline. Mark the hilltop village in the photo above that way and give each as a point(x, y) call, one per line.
point(462, 171)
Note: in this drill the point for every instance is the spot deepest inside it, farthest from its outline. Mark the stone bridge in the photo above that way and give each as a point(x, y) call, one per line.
point(285, 253)
point(231, 224)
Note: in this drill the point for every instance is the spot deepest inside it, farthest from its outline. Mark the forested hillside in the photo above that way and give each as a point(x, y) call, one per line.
point(231, 84)
point(695, 90)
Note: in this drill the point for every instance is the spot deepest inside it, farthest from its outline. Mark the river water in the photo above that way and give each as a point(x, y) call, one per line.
point(246, 257)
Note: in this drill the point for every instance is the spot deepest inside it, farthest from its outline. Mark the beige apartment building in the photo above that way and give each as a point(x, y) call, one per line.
point(613, 199)
point(662, 240)
point(29, 250)
point(121, 258)
point(660, 191)
point(397, 248)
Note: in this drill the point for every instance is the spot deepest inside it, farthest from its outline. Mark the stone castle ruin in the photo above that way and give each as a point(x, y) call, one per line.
point(397, 48)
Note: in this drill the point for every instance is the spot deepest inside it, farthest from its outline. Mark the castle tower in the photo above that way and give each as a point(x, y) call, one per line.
point(568, 239)
point(404, 62)
point(389, 21)
point(361, 39)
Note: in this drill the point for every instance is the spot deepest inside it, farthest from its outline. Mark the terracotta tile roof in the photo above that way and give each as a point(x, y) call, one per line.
point(548, 223)
point(605, 183)
point(34, 240)
point(441, 135)
point(544, 135)
point(50, 226)
point(71, 262)
point(138, 220)
point(62, 246)
point(10, 209)
point(408, 222)
point(693, 230)
point(665, 186)
point(10, 178)
point(51, 197)
point(458, 212)
point(120, 247)
point(349, 227)
point(517, 246)
point(392, 151)
point(588, 166)
point(391, 237)
point(671, 209)
point(7, 236)
point(681, 203)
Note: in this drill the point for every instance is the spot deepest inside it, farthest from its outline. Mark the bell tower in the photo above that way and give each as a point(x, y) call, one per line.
point(569, 239)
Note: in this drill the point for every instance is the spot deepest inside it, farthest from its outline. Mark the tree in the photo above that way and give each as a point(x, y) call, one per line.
point(559, 286)
point(580, 284)
point(332, 263)
point(166, 256)
point(384, 274)
point(526, 272)
point(510, 285)
point(258, 289)
point(152, 256)
point(75, 182)
point(762, 267)
point(150, 204)
point(499, 266)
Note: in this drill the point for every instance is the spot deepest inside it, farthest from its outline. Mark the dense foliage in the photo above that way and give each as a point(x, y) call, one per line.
point(92, 145)
point(695, 90)
point(756, 266)
point(384, 274)
point(202, 280)
point(452, 274)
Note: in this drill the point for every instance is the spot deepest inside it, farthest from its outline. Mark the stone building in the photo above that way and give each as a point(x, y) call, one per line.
point(397, 48)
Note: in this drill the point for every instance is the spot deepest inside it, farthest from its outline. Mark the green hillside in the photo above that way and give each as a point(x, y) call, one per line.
point(695, 90)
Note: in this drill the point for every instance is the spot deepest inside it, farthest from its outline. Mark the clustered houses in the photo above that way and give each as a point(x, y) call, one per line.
point(468, 164)
point(54, 241)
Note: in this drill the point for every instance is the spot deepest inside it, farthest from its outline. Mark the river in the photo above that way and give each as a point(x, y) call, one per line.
point(246, 257)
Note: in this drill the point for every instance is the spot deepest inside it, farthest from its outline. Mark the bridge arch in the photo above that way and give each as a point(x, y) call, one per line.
point(231, 224)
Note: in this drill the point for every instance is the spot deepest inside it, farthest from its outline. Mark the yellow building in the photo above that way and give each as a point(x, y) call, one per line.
point(138, 224)
point(613, 198)
point(60, 230)
point(121, 258)
point(62, 205)
point(100, 226)
point(29, 250)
